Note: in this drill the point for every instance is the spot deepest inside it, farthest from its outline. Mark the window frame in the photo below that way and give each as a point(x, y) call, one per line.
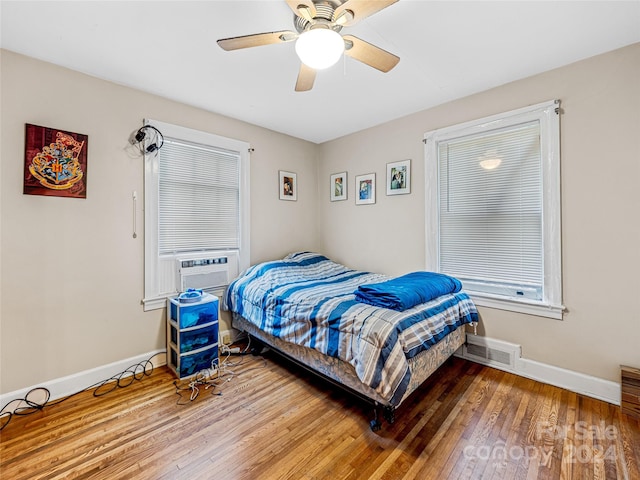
point(547, 114)
point(159, 282)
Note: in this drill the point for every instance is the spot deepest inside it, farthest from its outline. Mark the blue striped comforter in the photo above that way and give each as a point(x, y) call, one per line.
point(309, 300)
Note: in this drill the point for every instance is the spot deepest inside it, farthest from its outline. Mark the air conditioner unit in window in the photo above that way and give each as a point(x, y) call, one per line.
point(209, 273)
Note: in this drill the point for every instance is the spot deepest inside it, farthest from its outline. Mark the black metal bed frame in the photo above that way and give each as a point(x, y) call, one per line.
point(387, 411)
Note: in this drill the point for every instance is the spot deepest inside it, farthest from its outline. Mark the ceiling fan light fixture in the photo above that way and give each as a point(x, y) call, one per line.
point(320, 48)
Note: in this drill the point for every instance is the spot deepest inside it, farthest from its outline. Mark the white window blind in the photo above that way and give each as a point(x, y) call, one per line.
point(196, 206)
point(492, 213)
point(199, 199)
point(491, 210)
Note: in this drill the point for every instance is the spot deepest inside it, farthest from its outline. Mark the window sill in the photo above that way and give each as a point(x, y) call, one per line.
point(530, 308)
point(154, 303)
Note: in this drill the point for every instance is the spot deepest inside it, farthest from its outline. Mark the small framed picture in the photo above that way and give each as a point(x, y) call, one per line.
point(288, 186)
point(338, 186)
point(399, 177)
point(366, 189)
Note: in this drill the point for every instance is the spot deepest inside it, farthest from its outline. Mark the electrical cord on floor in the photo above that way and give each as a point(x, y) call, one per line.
point(215, 377)
point(227, 348)
point(206, 378)
point(38, 398)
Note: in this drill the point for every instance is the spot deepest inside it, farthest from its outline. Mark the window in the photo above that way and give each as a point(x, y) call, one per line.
point(493, 208)
point(196, 204)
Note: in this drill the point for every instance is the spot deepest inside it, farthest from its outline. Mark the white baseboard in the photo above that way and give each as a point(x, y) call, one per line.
point(577, 382)
point(588, 385)
point(65, 386)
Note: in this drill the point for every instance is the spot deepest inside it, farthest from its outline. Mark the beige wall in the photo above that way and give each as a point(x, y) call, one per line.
point(600, 164)
point(71, 273)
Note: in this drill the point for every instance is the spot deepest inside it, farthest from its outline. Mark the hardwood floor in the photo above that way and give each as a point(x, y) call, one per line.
point(272, 420)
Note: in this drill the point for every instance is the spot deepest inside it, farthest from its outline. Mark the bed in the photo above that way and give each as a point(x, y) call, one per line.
point(378, 337)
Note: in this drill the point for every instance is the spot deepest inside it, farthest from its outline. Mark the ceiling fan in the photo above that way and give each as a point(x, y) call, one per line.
point(318, 41)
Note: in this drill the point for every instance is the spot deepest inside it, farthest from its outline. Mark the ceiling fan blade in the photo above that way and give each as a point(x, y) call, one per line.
point(303, 8)
point(370, 54)
point(256, 40)
point(306, 77)
point(352, 11)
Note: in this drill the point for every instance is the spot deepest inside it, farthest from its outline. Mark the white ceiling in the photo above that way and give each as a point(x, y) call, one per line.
point(447, 50)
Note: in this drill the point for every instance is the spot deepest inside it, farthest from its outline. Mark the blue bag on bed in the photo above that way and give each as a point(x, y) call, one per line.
point(407, 291)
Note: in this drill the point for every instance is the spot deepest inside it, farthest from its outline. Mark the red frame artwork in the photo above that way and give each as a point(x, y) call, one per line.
point(55, 162)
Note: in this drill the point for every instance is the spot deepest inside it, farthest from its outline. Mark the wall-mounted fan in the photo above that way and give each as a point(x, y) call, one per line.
point(319, 43)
